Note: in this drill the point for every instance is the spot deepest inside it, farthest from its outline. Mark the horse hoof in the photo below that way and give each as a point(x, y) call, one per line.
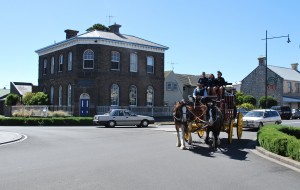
point(178, 145)
point(183, 148)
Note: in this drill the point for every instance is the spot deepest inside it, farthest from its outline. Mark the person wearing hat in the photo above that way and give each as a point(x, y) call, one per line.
point(199, 92)
point(203, 80)
point(220, 83)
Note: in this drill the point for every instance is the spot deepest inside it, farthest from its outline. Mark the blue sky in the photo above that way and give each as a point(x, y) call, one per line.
point(201, 35)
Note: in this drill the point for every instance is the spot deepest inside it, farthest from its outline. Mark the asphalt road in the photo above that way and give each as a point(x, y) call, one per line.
point(130, 158)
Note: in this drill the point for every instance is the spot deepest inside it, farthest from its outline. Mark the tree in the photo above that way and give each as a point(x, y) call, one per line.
point(247, 106)
point(27, 98)
point(11, 99)
point(271, 102)
point(39, 98)
point(239, 98)
point(249, 99)
point(100, 27)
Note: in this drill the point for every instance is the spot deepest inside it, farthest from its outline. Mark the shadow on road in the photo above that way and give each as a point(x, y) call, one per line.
point(235, 151)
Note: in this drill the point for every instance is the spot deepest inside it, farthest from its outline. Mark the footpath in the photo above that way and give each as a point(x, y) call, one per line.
point(9, 137)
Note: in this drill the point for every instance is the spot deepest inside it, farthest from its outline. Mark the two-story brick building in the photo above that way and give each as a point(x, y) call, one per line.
point(102, 68)
point(282, 83)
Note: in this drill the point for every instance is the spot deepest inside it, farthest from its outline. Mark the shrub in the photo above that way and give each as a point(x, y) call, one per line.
point(277, 139)
point(247, 106)
point(58, 113)
point(271, 102)
point(249, 99)
point(11, 99)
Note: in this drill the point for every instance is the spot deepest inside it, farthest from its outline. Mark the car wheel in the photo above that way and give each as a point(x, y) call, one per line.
point(260, 126)
point(111, 124)
point(145, 123)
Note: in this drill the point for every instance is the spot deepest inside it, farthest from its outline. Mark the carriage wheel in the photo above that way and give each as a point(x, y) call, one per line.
point(230, 131)
point(201, 133)
point(239, 126)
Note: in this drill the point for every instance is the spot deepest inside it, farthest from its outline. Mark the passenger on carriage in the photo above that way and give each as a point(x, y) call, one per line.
point(220, 83)
point(211, 82)
point(203, 80)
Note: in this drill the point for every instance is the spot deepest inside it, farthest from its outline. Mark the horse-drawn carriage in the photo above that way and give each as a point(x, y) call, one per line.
point(209, 114)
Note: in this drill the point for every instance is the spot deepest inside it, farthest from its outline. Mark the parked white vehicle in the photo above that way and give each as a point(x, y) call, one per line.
point(260, 117)
point(122, 117)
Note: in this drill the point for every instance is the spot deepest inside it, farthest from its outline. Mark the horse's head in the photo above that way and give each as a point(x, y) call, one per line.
point(213, 113)
point(179, 111)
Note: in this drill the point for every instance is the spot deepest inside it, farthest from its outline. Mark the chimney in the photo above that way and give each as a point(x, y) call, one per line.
point(70, 33)
point(295, 66)
point(262, 61)
point(115, 28)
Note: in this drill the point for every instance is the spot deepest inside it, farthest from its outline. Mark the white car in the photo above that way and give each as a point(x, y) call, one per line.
point(260, 117)
point(122, 117)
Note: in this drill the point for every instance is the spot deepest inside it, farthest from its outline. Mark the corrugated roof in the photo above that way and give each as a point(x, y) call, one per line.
point(188, 79)
point(286, 73)
point(120, 38)
point(4, 92)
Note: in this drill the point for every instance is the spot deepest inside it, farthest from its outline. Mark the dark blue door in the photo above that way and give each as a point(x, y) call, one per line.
point(84, 107)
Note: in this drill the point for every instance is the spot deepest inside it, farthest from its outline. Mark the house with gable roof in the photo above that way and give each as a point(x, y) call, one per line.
point(282, 83)
point(102, 68)
point(178, 86)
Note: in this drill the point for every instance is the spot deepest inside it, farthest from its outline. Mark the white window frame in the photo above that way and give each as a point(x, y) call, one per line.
point(45, 67)
point(88, 55)
point(150, 96)
point(52, 65)
point(133, 95)
point(115, 60)
point(114, 95)
point(169, 86)
point(150, 64)
point(70, 61)
point(60, 63)
point(133, 62)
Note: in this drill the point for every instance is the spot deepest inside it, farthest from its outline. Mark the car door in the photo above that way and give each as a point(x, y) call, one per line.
point(131, 118)
point(268, 119)
point(119, 117)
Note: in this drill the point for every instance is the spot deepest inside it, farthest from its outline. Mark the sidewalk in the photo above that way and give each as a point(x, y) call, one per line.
point(8, 137)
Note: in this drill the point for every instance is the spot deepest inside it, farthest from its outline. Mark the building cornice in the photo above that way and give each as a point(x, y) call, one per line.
point(101, 41)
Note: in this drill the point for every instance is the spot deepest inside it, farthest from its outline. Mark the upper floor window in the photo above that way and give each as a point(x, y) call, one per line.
point(150, 64)
point(60, 96)
point(171, 86)
point(133, 95)
point(52, 65)
point(133, 62)
point(52, 95)
point(45, 67)
point(60, 63)
point(289, 86)
point(88, 59)
point(115, 60)
point(114, 95)
point(69, 95)
point(150, 96)
point(70, 61)
point(297, 87)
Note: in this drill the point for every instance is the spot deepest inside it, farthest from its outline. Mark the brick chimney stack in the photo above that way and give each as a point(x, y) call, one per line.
point(262, 61)
point(115, 28)
point(71, 33)
point(295, 66)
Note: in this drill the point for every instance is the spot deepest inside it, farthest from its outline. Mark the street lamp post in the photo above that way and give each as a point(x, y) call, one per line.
point(266, 74)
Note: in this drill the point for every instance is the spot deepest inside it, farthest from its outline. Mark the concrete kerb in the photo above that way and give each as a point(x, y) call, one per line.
point(9, 137)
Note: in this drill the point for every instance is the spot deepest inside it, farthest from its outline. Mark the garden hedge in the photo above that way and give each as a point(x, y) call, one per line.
point(49, 121)
point(282, 140)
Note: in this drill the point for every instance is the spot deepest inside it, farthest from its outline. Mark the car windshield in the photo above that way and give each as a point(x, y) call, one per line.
point(254, 114)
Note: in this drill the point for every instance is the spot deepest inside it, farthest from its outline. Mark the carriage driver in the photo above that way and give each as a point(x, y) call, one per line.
point(199, 92)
